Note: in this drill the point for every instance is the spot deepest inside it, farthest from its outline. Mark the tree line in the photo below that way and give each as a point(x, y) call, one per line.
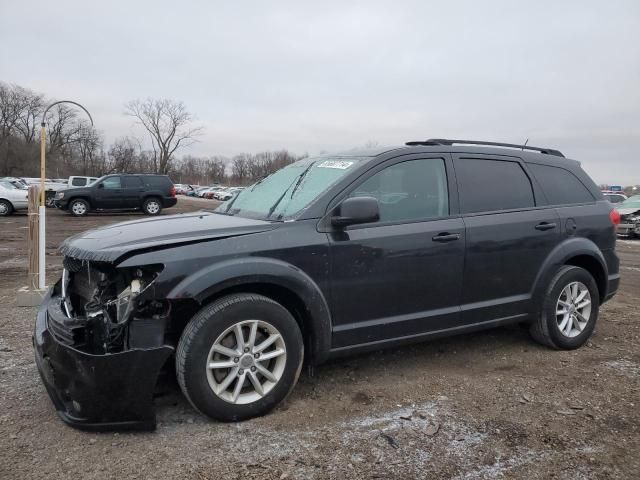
point(75, 147)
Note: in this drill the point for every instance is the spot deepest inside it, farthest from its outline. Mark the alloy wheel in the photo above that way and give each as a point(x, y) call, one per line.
point(153, 207)
point(573, 309)
point(79, 208)
point(246, 361)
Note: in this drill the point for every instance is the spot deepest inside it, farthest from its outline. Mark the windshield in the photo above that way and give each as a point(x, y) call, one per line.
point(287, 191)
point(8, 185)
point(633, 202)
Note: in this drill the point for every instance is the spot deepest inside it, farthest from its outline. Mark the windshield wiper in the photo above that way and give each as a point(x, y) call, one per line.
point(297, 181)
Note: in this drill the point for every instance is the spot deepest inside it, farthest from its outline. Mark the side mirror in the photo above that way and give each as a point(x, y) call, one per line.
point(101, 185)
point(356, 210)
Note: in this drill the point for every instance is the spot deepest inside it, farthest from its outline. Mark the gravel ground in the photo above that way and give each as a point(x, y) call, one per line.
point(485, 405)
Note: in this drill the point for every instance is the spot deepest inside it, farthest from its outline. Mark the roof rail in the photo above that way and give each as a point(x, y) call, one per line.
point(443, 141)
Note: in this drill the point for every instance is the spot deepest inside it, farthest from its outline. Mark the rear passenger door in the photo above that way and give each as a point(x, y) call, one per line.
point(132, 188)
point(510, 232)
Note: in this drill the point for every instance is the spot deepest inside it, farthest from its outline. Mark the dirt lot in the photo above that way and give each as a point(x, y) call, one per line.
point(488, 405)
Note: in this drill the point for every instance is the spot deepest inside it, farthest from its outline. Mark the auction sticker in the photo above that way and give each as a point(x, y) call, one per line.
point(342, 165)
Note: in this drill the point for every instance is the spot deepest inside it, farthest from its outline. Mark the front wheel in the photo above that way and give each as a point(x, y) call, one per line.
point(569, 310)
point(5, 208)
point(79, 207)
point(152, 206)
point(239, 357)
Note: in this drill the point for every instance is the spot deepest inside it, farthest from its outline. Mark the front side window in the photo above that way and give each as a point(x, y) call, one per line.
point(409, 191)
point(111, 183)
point(492, 185)
point(288, 191)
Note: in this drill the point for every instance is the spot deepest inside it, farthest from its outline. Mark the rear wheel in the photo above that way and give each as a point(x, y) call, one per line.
point(79, 207)
point(5, 208)
point(239, 357)
point(152, 206)
point(569, 311)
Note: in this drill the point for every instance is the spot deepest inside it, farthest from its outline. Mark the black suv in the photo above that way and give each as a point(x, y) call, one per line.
point(328, 256)
point(149, 193)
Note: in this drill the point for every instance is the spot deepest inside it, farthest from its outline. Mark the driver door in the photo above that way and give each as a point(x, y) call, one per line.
point(402, 275)
point(109, 194)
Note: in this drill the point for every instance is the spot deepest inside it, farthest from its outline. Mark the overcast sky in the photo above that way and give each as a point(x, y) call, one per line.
point(326, 76)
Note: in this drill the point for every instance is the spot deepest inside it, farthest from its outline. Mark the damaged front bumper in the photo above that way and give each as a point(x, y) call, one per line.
point(108, 391)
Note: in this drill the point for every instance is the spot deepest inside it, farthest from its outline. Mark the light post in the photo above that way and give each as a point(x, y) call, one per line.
point(41, 208)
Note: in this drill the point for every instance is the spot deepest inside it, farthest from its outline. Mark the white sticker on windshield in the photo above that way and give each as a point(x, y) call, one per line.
point(342, 165)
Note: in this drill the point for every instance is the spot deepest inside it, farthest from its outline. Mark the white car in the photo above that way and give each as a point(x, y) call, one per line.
point(12, 198)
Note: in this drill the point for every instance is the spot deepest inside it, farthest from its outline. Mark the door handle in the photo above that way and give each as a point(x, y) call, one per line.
point(545, 226)
point(446, 237)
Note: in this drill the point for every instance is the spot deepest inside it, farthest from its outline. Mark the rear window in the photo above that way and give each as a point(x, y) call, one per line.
point(560, 186)
point(79, 182)
point(156, 181)
point(492, 185)
point(131, 182)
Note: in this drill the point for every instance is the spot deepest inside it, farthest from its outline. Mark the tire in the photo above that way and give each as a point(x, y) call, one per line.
point(558, 307)
point(216, 326)
point(6, 208)
point(79, 207)
point(152, 206)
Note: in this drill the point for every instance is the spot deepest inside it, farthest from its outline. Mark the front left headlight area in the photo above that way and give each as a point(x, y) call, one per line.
point(106, 309)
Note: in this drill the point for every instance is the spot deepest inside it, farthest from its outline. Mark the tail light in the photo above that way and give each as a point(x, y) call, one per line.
point(614, 215)
point(172, 192)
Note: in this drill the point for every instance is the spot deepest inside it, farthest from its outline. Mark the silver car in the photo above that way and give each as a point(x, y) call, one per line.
point(11, 198)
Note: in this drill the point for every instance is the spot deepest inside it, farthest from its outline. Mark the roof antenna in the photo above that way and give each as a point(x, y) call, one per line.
point(525, 144)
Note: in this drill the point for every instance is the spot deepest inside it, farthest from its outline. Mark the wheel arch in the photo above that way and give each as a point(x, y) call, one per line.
point(579, 252)
point(275, 279)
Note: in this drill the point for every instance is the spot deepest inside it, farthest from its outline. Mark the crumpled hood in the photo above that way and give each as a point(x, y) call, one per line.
point(113, 241)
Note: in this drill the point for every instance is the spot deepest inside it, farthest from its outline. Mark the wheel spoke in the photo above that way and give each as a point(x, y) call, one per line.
point(224, 364)
point(225, 351)
point(567, 294)
point(256, 383)
point(267, 343)
point(564, 311)
point(266, 373)
point(569, 326)
point(252, 335)
point(269, 355)
point(584, 304)
point(238, 387)
point(583, 293)
point(239, 337)
point(564, 322)
point(581, 318)
point(227, 380)
point(574, 291)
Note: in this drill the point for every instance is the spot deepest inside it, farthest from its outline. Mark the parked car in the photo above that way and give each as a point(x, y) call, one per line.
point(12, 198)
point(194, 190)
point(228, 194)
point(629, 217)
point(149, 193)
point(77, 181)
point(50, 188)
point(613, 196)
point(16, 182)
point(211, 192)
point(328, 256)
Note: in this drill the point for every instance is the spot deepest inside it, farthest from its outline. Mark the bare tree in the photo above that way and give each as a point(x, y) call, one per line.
point(169, 125)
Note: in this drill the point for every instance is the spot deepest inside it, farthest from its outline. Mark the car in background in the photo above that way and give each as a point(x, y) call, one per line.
point(629, 211)
point(16, 182)
point(211, 192)
point(12, 198)
point(194, 190)
point(50, 188)
point(613, 196)
point(77, 181)
point(229, 193)
point(149, 193)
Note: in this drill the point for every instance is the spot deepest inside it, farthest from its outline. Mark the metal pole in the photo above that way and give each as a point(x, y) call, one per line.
point(42, 208)
point(42, 211)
